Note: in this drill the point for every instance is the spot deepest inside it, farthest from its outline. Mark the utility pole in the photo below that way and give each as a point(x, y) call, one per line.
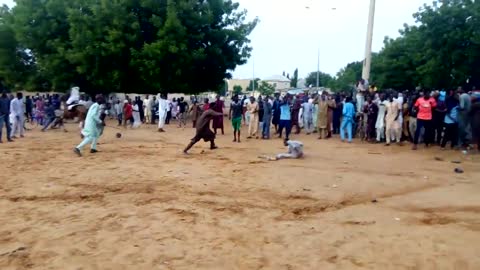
point(368, 46)
point(253, 76)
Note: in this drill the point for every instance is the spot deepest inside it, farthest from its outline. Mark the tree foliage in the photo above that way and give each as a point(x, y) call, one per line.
point(441, 51)
point(237, 90)
point(266, 89)
point(252, 84)
point(325, 80)
point(143, 46)
point(294, 80)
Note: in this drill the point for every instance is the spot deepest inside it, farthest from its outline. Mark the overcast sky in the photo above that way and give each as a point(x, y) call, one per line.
point(289, 35)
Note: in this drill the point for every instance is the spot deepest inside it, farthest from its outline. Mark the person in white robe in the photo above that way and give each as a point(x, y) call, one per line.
point(163, 106)
point(74, 96)
point(136, 115)
point(17, 116)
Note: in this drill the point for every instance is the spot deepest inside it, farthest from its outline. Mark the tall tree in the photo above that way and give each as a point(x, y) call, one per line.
point(324, 79)
point(294, 80)
point(252, 84)
point(134, 45)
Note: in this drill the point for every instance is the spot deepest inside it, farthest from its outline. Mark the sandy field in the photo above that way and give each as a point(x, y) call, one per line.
point(141, 204)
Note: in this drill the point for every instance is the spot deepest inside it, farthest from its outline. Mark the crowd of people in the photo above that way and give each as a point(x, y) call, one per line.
point(429, 117)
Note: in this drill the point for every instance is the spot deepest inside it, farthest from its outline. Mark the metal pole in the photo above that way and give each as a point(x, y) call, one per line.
point(368, 46)
point(253, 76)
point(318, 67)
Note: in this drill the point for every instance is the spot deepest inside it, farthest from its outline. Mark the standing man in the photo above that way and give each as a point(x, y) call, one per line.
point(322, 116)
point(253, 123)
point(425, 107)
point(93, 126)
point(276, 112)
point(297, 104)
point(267, 118)
point(141, 109)
point(182, 113)
point(162, 112)
point(372, 113)
point(463, 118)
point(285, 118)
point(5, 116)
point(348, 118)
point(393, 112)
point(169, 110)
point(29, 108)
point(332, 105)
point(235, 114)
point(380, 123)
point(307, 107)
point(260, 115)
point(147, 107)
point(16, 108)
point(195, 110)
point(153, 109)
point(119, 112)
point(218, 120)
point(203, 129)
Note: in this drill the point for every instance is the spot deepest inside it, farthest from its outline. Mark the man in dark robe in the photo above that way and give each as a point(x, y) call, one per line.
point(218, 120)
point(203, 129)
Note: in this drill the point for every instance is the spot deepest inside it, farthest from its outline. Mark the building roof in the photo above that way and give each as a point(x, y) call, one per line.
point(277, 78)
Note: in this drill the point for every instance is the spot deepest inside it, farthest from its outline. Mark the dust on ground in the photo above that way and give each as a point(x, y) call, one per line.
point(141, 204)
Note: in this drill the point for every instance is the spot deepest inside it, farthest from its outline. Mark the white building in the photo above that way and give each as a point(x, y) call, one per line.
point(279, 82)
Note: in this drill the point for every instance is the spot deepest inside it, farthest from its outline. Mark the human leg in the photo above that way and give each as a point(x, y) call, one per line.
point(343, 126)
point(448, 135)
point(349, 130)
point(288, 129)
point(86, 140)
point(191, 144)
point(428, 137)
point(420, 125)
point(388, 132)
point(281, 126)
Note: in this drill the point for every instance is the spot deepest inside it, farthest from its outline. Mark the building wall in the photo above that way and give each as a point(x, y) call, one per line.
point(279, 85)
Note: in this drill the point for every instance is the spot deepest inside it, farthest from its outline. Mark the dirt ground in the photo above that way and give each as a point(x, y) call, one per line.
point(141, 204)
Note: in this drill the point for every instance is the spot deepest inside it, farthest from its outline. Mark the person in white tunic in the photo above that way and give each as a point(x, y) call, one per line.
point(163, 107)
point(380, 124)
point(136, 115)
point(17, 116)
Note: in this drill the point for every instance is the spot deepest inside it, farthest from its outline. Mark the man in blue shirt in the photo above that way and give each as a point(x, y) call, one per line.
point(348, 118)
point(451, 123)
point(285, 117)
point(5, 116)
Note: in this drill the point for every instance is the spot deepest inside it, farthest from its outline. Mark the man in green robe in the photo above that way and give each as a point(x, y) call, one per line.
point(93, 127)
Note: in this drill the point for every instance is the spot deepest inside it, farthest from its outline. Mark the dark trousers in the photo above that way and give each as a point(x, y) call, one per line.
point(153, 116)
point(427, 124)
point(287, 124)
point(438, 127)
point(168, 118)
point(451, 135)
point(49, 122)
point(5, 119)
point(120, 118)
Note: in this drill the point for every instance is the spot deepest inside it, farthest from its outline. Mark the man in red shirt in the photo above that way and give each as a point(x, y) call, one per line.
point(425, 106)
point(128, 113)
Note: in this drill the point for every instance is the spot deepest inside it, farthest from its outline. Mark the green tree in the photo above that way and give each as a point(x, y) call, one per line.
point(17, 66)
point(237, 90)
point(143, 46)
point(324, 79)
point(266, 89)
point(294, 80)
point(252, 84)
